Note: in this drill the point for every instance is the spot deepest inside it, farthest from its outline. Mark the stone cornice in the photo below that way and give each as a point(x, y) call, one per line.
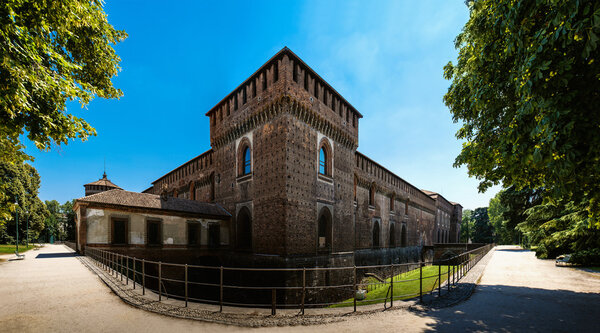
point(286, 104)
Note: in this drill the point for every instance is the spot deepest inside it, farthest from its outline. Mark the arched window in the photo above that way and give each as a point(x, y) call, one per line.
point(324, 230)
point(376, 234)
point(247, 161)
point(323, 161)
point(403, 237)
point(244, 229)
point(325, 155)
point(372, 195)
point(392, 235)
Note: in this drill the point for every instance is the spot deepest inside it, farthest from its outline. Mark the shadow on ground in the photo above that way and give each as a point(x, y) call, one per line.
point(495, 308)
point(56, 255)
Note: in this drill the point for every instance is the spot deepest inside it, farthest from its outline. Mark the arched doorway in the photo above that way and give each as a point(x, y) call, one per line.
point(244, 229)
point(324, 230)
point(375, 234)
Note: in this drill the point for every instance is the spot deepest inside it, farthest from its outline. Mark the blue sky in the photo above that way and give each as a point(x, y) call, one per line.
point(181, 58)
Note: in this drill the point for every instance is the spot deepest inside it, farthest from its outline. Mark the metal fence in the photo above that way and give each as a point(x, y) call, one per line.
point(287, 287)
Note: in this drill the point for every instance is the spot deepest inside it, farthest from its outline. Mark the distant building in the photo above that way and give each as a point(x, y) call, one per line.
point(101, 185)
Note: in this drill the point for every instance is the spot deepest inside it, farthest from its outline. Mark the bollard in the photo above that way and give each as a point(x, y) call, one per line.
point(186, 285)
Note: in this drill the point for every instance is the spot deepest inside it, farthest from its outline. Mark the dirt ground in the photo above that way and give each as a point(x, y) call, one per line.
point(52, 291)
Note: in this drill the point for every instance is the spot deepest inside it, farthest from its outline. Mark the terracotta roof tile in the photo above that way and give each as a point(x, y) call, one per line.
point(152, 201)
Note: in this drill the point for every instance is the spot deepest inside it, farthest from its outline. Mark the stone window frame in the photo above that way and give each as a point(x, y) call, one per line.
point(376, 230)
point(392, 234)
point(147, 222)
point(325, 145)
point(243, 144)
point(372, 193)
point(404, 235)
point(112, 230)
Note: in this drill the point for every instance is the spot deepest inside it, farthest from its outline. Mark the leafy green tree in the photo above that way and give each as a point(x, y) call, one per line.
point(483, 231)
point(561, 228)
point(20, 182)
point(526, 87)
point(496, 211)
point(69, 215)
point(52, 52)
point(466, 226)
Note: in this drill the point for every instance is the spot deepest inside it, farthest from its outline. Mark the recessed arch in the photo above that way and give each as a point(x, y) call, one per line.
point(244, 229)
point(376, 232)
point(325, 158)
point(324, 232)
point(244, 157)
point(392, 234)
point(403, 236)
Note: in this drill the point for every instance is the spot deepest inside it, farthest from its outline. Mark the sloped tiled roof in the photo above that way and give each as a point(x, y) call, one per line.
point(103, 182)
point(124, 198)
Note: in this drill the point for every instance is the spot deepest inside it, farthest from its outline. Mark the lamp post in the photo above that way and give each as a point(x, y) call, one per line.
point(27, 235)
point(17, 222)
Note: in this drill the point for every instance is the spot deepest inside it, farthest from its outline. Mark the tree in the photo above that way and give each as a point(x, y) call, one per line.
point(20, 182)
point(52, 52)
point(483, 231)
point(466, 226)
point(496, 211)
point(526, 87)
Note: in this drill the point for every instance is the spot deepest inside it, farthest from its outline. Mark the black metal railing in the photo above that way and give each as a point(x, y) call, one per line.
point(287, 287)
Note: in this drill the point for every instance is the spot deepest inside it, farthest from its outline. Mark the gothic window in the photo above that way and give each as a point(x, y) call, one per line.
point(247, 162)
point(322, 161)
point(244, 229)
point(325, 157)
point(403, 236)
point(392, 235)
point(324, 230)
point(372, 195)
point(244, 158)
point(376, 234)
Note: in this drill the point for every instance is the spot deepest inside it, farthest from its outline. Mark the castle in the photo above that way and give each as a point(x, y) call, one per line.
point(284, 163)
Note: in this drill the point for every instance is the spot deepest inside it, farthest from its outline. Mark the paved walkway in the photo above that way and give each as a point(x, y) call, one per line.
point(51, 290)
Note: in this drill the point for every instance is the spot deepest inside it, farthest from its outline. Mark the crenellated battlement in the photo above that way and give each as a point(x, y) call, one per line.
point(285, 73)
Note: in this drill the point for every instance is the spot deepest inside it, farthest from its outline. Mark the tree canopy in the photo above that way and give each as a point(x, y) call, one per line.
point(526, 88)
point(20, 183)
point(52, 52)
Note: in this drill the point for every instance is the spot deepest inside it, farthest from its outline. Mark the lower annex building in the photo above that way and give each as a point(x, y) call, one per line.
point(288, 183)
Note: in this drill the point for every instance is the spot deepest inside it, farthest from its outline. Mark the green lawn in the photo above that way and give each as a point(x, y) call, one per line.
point(10, 248)
point(404, 288)
point(594, 268)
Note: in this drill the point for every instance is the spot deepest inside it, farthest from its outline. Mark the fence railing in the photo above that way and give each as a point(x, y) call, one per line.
point(288, 287)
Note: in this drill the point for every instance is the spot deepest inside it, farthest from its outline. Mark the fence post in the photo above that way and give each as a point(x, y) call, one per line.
point(303, 287)
point(159, 281)
point(143, 276)
point(127, 271)
point(273, 301)
point(448, 275)
point(421, 282)
point(121, 268)
point(355, 290)
point(186, 285)
point(134, 273)
point(440, 279)
point(221, 291)
point(392, 287)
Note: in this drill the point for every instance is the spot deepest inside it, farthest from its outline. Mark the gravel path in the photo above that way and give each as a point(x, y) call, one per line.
point(51, 290)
